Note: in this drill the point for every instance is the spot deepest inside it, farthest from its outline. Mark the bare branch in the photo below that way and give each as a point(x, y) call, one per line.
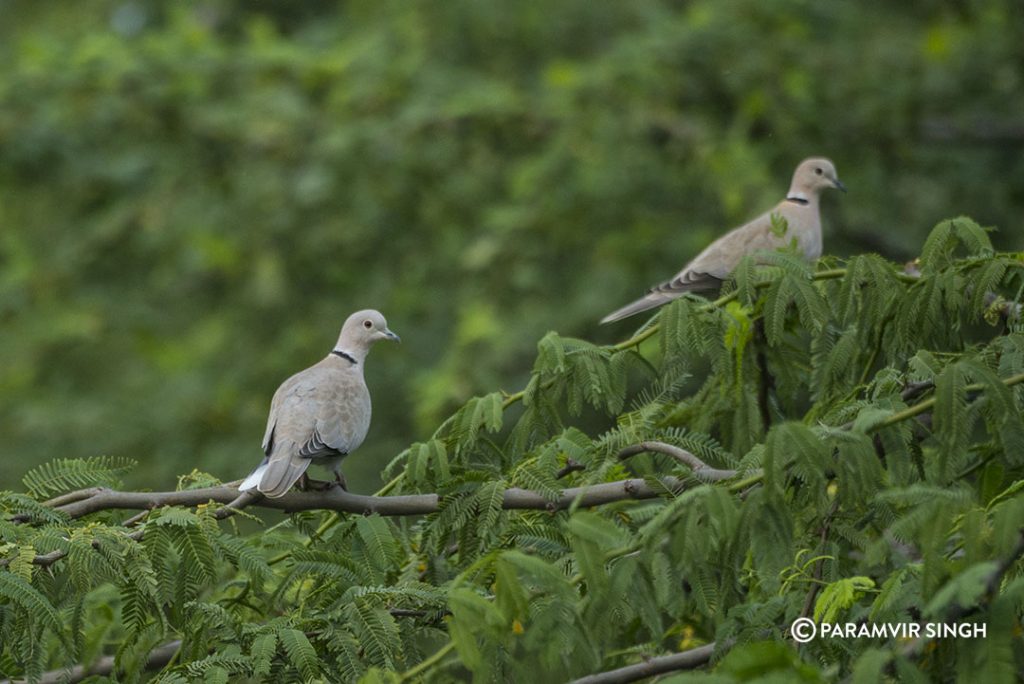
point(45, 559)
point(700, 469)
point(913, 389)
point(336, 499)
point(571, 466)
point(136, 519)
point(687, 660)
point(61, 500)
point(158, 657)
point(926, 405)
point(418, 612)
point(241, 501)
point(70, 497)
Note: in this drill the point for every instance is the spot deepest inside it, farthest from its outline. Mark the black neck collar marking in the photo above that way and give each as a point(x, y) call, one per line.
point(798, 200)
point(344, 355)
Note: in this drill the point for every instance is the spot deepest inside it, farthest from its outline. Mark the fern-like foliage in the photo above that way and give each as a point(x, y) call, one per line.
point(873, 416)
point(65, 474)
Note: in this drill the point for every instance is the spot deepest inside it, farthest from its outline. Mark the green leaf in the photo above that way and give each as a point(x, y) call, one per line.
point(950, 417)
point(375, 532)
point(263, 650)
point(839, 596)
point(962, 591)
point(300, 652)
point(780, 226)
point(942, 242)
point(64, 474)
point(17, 590)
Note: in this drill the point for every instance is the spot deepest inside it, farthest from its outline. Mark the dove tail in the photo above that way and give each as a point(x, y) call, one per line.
point(254, 478)
point(687, 281)
point(280, 474)
point(649, 302)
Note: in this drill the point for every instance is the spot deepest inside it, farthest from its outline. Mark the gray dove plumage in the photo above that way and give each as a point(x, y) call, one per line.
point(709, 268)
point(320, 414)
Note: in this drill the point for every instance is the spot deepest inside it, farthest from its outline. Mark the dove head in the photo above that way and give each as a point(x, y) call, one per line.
point(811, 177)
point(360, 331)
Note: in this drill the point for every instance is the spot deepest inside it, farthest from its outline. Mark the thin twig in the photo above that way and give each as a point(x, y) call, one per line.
point(136, 519)
point(427, 663)
point(918, 409)
point(241, 501)
point(700, 469)
point(56, 501)
point(46, 559)
point(70, 497)
point(571, 466)
point(913, 389)
point(418, 612)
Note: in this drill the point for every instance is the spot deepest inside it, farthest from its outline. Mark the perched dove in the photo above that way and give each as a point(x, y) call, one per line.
point(322, 413)
point(799, 218)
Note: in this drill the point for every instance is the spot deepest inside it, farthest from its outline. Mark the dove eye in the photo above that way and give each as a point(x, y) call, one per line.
point(818, 171)
point(367, 324)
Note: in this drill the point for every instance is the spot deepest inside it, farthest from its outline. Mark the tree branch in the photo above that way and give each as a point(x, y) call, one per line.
point(687, 660)
point(336, 499)
point(913, 389)
point(158, 657)
point(700, 469)
point(918, 409)
point(571, 466)
point(86, 501)
point(45, 559)
point(244, 499)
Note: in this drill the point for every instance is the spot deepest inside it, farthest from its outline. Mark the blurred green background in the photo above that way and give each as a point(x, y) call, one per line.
point(193, 196)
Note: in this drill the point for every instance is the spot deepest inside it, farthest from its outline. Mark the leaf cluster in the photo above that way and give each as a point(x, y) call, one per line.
point(873, 417)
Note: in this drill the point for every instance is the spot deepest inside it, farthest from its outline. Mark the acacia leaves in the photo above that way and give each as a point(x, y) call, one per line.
point(64, 474)
point(867, 485)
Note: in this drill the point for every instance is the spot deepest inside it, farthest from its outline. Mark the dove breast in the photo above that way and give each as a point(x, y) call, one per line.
point(318, 415)
point(325, 410)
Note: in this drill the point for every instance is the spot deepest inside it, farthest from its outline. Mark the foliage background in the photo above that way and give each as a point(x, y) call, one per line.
point(194, 196)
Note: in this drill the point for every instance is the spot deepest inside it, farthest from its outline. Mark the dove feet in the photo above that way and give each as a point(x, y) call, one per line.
point(308, 484)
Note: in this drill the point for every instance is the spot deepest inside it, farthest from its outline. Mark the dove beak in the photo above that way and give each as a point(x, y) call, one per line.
point(839, 184)
point(388, 335)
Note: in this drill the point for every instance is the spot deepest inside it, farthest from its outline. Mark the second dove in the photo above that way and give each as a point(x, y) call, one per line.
point(800, 212)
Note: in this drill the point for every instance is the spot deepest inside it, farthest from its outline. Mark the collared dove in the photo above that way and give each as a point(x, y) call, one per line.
point(322, 413)
point(802, 222)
